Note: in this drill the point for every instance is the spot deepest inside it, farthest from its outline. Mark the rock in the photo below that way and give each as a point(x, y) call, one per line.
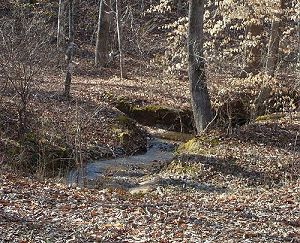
point(146, 186)
point(142, 189)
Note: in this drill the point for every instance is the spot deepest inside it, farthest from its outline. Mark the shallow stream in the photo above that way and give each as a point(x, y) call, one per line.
point(123, 171)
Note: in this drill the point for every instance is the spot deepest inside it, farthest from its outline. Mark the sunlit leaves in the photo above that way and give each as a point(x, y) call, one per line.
point(226, 29)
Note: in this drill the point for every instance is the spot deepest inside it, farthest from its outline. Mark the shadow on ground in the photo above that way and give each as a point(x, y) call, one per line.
point(282, 136)
point(209, 167)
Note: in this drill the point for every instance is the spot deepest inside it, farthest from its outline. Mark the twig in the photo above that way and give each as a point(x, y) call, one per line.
point(208, 125)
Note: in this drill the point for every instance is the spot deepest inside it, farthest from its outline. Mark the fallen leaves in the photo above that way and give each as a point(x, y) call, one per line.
point(39, 211)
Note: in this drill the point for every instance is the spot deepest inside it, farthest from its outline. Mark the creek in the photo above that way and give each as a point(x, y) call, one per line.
point(123, 171)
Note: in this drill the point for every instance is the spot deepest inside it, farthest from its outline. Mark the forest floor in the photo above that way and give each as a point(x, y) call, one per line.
point(225, 208)
point(242, 187)
point(238, 187)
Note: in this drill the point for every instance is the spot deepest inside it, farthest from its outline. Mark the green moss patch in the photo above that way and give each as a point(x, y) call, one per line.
point(203, 144)
point(173, 136)
point(269, 117)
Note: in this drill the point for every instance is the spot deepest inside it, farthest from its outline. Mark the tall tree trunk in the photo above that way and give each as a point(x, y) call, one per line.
point(69, 61)
point(61, 24)
point(119, 30)
point(273, 47)
point(71, 21)
point(70, 51)
point(298, 56)
point(142, 5)
point(101, 50)
point(178, 4)
point(253, 53)
point(200, 98)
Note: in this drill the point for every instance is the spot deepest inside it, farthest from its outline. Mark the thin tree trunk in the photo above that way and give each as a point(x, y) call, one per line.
point(298, 57)
point(142, 5)
point(178, 4)
point(273, 48)
point(61, 24)
point(253, 53)
point(101, 50)
point(272, 57)
point(69, 60)
point(71, 21)
point(119, 37)
point(200, 98)
point(70, 51)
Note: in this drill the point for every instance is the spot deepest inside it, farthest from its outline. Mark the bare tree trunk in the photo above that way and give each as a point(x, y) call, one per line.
point(101, 50)
point(142, 5)
point(61, 24)
point(200, 98)
point(70, 51)
point(71, 21)
point(69, 61)
point(119, 37)
point(298, 56)
point(178, 4)
point(272, 57)
point(253, 53)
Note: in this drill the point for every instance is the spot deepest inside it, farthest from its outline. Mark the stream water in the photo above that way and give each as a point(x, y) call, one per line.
point(122, 171)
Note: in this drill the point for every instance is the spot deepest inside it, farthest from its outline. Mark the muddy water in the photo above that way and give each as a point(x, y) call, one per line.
point(123, 171)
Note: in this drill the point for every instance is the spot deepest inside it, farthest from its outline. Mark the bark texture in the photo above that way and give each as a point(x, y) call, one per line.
point(200, 98)
point(253, 53)
point(70, 51)
point(119, 30)
point(71, 21)
point(101, 50)
point(69, 61)
point(273, 47)
point(61, 24)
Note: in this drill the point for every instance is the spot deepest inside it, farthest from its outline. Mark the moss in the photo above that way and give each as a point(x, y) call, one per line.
point(123, 105)
point(149, 108)
point(269, 117)
point(153, 115)
point(130, 137)
point(191, 146)
point(199, 145)
point(123, 137)
point(174, 136)
point(123, 120)
point(180, 168)
point(210, 140)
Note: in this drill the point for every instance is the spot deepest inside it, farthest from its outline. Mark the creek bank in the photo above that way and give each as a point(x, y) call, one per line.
point(233, 113)
point(157, 116)
point(265, 152)
point(57, 136)
point(232, 107)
